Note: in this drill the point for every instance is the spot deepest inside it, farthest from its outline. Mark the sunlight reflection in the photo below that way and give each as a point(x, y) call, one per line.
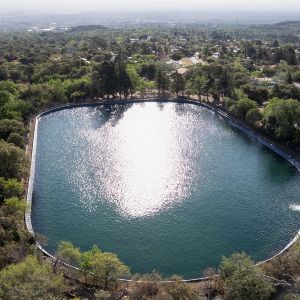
point(139, 163)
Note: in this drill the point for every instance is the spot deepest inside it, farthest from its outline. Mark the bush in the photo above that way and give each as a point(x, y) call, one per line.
point(13, 161)
point(9, 87)
point(243, 281)
point(8, 126)
point(15, 205)
point(247, 285)
point(30, 280)
point(282, 119)
point(18, 106)
point(149, 286)
point(241, 107)
point(16, 139)
point(180, 290)
point(257, 94)
point(228, 102)
point(235, 262)
point(4, 97)
point(253, 116)
point(10, 188)
point(15, 241)
point(105, 267)
point(296, 76)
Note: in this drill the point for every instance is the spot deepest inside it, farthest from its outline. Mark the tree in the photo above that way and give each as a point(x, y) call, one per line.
point(291, 57)
point(10, 126)
point(124, 84)
point(10, 188)
point(105, 267)
point(243, 281)
point(4, 97)
point(177, 56)
point(106, 78)
point(67, 253)
point(282, 119)
point(234, 263)
point(13, 161)
point(241, 107)
point(288, 91)
point(137, 83)
point(99, 42)
point(198, 85)
point(30, 280)
point(247, 285)
point(15, 241)
point(3, 73)
point(253, 116)
point(15, 205)
point(16, 139)
point(10, 87)
point(162, 80)
point(275, 44)
point(225, 83)
point(57, 92)
point(296, 76)
point(178, 83)
point(16, 108)
point(76, 88)
point(289, 78)
point(257, 94)
point(148, 71)
point(29, 71)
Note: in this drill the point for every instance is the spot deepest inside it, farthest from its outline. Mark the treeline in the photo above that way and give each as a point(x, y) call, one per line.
point(274, 53)
point(15, 241)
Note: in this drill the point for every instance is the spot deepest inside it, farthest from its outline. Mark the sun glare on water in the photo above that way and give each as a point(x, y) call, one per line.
point(140, 166)
point(295, 207)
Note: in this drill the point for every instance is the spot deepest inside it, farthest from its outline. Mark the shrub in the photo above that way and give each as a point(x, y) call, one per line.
point(30, 280)
point(243, 280)
point(10, 187)
point(241, 107)
point(16, 139)
point(13, 161)
point(253, 116)
point(8, 126)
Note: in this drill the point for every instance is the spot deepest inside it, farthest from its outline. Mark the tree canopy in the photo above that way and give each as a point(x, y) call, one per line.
point(30, 280)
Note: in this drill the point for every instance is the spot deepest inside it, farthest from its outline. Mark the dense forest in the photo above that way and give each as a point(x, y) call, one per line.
point(250, 72)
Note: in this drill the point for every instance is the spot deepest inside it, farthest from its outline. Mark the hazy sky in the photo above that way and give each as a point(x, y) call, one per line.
point(97, 5)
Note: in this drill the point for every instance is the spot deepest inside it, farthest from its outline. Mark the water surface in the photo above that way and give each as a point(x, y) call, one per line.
point(170, 187)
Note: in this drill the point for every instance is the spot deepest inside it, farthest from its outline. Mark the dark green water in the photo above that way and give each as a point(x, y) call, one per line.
point(170, 187)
